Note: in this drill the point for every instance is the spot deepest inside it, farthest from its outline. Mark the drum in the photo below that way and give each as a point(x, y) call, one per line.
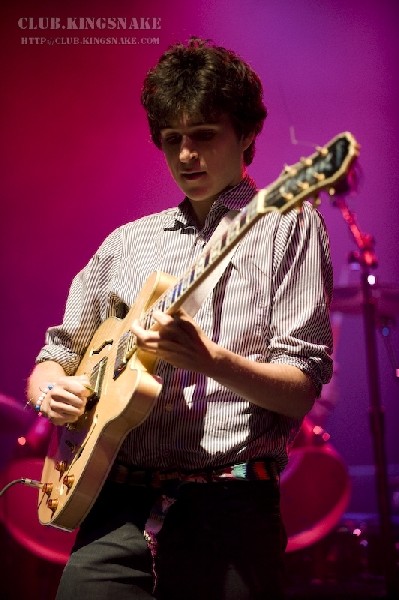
point(315, 489)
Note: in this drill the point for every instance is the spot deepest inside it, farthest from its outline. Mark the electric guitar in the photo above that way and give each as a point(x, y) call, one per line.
point(124, 388)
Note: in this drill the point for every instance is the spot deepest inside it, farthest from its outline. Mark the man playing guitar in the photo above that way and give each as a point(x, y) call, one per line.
point(190, 505)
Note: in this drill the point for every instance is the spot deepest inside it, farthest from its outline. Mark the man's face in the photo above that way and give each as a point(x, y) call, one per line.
point(204, 158)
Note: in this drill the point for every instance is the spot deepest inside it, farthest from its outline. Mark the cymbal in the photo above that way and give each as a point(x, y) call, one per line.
point(348, 299)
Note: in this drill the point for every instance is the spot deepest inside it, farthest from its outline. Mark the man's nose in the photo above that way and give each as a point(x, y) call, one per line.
point(187, 152)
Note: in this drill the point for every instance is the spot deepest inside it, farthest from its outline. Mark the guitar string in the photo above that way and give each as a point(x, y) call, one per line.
point(241, 222)
point(324, 157)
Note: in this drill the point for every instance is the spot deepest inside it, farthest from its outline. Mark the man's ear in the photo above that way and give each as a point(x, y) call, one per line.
point(247, 140)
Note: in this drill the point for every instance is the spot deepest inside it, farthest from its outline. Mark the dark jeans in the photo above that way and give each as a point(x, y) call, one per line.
point(219, 541)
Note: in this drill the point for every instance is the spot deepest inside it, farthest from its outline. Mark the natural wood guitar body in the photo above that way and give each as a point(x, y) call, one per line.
point(79, 458)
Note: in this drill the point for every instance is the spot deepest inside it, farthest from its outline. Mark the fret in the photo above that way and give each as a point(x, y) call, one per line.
point(223, 241)
point(207, 259)
point(243, 219)
point(252, 209)
point(199, 267)
point(175, 293)
point(167, 302)
point(162, 305)
point(215, 250)
point(233, 231)
point(192, 276)
point(180, 289)
point(184, 285)
point(149, 321)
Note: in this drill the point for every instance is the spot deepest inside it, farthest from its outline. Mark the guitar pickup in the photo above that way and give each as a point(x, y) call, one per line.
point(96, 380)
point(126, 348)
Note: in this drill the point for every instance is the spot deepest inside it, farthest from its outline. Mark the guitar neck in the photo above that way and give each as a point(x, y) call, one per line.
point(173, 298)
point(328, 166)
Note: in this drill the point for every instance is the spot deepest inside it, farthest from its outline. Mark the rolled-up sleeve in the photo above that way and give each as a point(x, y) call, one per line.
point(302, 288)
point(85, 309)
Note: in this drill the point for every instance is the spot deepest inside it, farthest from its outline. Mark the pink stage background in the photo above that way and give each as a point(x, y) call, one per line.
point(77, 161)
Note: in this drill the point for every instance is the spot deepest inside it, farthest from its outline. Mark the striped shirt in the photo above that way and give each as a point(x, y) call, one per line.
point(270, 305)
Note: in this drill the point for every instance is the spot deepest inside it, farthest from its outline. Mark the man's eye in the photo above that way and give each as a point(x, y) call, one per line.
point(204, 135)
point(172, 139)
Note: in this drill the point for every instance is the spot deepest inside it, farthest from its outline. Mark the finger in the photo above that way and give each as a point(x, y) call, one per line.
point(136, 326)
point(163, 318)
point(85, 382)
point(182, 314)
point(137, 330)
point(147, 344)
point(66, 400)
point(149, 338)
point(60, 395)
point(78, 385)
point(177, 317)
point(58, 411)
point(66, 407)
point(142, 335)
point(172, 326)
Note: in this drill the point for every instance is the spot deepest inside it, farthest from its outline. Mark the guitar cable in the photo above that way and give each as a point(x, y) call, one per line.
point(25, 481)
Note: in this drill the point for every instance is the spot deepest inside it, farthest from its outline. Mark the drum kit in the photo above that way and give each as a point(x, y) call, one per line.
point(348, 299)
point(315, 486)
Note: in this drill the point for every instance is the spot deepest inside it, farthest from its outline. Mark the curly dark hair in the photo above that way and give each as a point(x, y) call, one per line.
point(203, 80)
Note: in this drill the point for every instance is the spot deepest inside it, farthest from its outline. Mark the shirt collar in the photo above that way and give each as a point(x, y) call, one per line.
point(234, 198)
point(238, 196)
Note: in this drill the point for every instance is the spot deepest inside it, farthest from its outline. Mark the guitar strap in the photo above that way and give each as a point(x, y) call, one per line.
point(197, 297)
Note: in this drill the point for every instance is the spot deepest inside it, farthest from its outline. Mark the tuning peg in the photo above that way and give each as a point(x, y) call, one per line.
point(322, 151)
point(306, 161)
point(319, 176)
point(331, 191)
point(286, 195)
point(288, 170)
point(303, 185)
point(316, 201)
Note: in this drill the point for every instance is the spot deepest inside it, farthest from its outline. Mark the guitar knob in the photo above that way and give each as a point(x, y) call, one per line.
point(47, 488)
point(52, 504)
point(61, 466)
point(68, 481)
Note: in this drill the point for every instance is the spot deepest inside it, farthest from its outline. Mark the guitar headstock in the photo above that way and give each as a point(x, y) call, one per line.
point(326, 169)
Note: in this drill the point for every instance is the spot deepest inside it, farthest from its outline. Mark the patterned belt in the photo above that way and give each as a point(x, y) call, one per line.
point(258, 469)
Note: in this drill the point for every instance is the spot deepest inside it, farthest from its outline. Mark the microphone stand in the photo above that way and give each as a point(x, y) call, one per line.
point(366, 258)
